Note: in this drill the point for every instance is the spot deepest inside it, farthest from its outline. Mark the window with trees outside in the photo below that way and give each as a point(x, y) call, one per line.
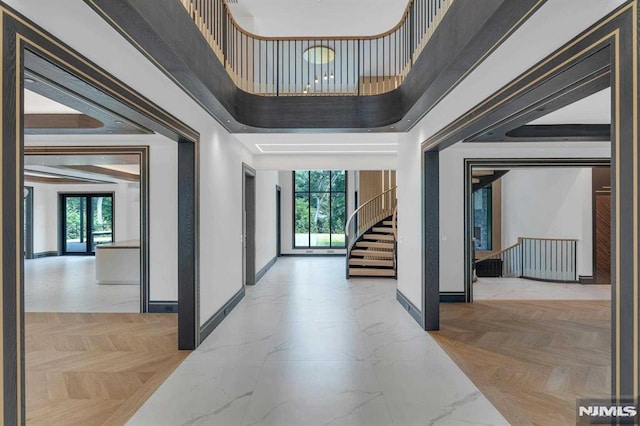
point(482, 218)
point(320, 200)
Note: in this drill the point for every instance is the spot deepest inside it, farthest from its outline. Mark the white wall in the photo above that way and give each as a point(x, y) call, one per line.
point(549, 203)
point(163, 198)
point(409, 179)
point(46, 212)
point(266, 230)
point(452, 192)
point(221, 155)
point(547, 30)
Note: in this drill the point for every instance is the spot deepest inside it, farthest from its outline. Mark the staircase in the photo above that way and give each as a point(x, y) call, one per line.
point(374, 254)
point(371, 238)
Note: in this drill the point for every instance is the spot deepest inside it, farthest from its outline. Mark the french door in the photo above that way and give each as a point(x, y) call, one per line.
point(86, 221)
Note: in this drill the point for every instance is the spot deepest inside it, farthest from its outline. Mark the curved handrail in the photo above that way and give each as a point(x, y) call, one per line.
point(363, 206)
point(498, 253)
point(274, 66)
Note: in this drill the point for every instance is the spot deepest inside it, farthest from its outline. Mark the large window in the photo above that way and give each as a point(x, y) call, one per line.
point(320, 200)
point(482, 218)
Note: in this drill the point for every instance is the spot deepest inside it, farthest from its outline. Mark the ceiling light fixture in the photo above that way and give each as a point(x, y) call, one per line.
point(331, 75)
point(315, 79)
point(118, 122)
point(319, 55)
point(324, 77)
point(29, 80)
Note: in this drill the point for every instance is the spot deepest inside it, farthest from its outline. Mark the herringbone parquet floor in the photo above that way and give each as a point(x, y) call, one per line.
point(532, 359)
point(95, 369)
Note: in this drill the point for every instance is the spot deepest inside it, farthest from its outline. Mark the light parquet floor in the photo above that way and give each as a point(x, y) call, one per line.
point(531, 359)
point(95, 369)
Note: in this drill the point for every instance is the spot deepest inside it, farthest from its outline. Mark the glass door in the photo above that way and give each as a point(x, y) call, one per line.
point(87, 221)
point(102, 220)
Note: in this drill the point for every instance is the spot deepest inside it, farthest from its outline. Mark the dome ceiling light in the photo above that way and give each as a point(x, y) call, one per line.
point(319, 55)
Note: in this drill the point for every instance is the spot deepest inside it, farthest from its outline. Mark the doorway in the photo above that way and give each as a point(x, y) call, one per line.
point(86, 220)
point(278, 221)
point(248, 225)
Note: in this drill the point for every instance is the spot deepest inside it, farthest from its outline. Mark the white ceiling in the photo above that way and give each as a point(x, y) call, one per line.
point(297, 18)
point(594, 109)
point(318, 143)
point(38, 104)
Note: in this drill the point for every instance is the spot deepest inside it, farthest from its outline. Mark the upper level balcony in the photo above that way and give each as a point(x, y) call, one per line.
point(254, 84)
point(317, 66)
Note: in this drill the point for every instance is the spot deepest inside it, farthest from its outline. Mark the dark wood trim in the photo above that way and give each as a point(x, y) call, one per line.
point(43, 81)
point(158, 307)
point(530, 97)
point(453, 297)
point(431, 241)
point(22, 40)
point(591, 76)
point(249, 225)
point(278, 221)
point(469, 32)
point(188, 325)
point(215, 320)
point(618, 34)
point(42, 254)
point(409, 307)
point(261, 273)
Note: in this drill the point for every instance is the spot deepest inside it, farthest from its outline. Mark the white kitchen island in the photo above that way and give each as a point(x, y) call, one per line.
point(118, 263)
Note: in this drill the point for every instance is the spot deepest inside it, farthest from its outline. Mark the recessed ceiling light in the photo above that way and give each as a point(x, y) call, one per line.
point(118, 122)
point(391, 127)
point(29, 80)
point(228, 121)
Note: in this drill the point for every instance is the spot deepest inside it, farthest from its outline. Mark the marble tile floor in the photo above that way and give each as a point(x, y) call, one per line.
point(67, 284)
point(521, 289)
point(308, 347)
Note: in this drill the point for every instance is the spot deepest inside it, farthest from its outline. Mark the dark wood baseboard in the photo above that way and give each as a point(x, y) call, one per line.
point(45, 254)
point(453, 297)
point(163, 307)
point(207, 328)
point(265, 269)
point(410, 307)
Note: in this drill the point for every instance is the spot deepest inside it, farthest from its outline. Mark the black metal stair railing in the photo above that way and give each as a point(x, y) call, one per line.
point(543, 259)
point(317, 66)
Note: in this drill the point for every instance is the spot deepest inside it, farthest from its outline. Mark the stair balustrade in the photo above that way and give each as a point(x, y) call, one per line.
point(368, 215)
point(544, 259)
point(317, 66)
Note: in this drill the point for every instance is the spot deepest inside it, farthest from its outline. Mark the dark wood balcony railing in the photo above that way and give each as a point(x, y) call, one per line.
point(273, 66)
